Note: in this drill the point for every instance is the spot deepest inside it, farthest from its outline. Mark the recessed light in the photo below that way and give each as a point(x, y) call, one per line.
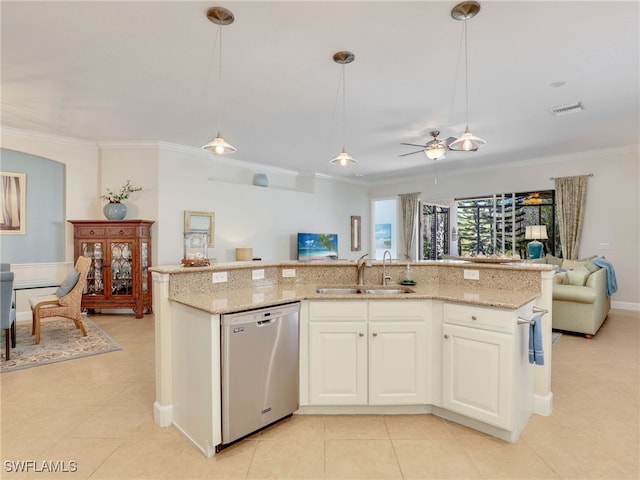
point(557, 84)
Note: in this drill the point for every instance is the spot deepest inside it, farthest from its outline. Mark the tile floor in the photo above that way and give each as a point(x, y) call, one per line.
point(97, 412)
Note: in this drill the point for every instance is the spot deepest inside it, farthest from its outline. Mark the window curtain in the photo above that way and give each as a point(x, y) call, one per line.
point(571, 197)
point(409, 207)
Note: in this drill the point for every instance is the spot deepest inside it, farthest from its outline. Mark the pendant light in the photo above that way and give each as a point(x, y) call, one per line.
point(467, 141)
point(220, 16)
point(343, 159)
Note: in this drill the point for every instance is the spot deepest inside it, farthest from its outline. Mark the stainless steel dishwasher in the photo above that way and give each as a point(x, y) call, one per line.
point(260, 380)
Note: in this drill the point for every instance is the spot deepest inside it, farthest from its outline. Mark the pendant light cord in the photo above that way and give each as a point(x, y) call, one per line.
point(221, 94)
point(344, 107)
point(466, 75)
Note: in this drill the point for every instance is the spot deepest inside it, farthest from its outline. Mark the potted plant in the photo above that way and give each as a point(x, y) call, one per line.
point(115, 209)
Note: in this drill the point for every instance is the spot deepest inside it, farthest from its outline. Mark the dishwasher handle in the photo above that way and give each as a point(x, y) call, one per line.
point(263, 323)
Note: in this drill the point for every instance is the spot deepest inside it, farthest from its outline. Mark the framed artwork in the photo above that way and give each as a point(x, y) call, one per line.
point(317, 246)
point(356, 233)
point(200, 222)
point(12, 202)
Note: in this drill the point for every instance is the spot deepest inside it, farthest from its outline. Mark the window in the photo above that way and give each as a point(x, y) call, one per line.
point(496, 224)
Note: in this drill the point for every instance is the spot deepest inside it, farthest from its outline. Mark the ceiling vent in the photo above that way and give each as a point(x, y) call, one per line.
point(567, 109)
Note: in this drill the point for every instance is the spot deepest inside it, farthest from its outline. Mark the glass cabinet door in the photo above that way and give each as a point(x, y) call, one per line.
point(95, 283)
point(121, 269)
point(144, 266)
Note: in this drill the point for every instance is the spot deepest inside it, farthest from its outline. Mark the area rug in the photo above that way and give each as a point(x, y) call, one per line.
point(60, 340)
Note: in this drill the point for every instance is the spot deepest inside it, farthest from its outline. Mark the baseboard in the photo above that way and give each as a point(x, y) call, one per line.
point(626, 306)
point(543, 405)
point(163, 414)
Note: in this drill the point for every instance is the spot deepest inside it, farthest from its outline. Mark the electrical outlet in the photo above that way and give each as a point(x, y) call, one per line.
point(219, 277)
point(471, 274)
point(257, 274)
point(288, 272)
point(604, 246)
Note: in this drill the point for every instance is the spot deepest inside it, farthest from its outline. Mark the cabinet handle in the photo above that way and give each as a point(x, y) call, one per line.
point(361, 334)
point(121, 232)
point(91, 232)
point(473, 317)
point(374, 334)
point(446, 336)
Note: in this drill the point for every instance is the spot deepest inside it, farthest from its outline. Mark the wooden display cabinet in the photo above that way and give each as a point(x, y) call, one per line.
point(120, 253)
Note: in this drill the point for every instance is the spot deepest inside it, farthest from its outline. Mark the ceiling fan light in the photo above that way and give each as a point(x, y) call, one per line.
point(467, 142)
point(435, 152)
point(219, 146)
point(343, 159)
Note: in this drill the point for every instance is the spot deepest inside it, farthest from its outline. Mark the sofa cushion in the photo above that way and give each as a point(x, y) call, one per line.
point(578, 276)
point(572, 293)
point(551, 260)
point(589, 265)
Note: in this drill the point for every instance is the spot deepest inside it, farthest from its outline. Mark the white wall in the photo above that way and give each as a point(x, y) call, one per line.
point(266, 219)
point(613, 205)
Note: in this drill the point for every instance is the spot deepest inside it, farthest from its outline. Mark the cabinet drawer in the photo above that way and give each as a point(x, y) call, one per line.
point(121, 231)
point(337, 311)
point(480, 317)
point(400, 310)
point(86, 232)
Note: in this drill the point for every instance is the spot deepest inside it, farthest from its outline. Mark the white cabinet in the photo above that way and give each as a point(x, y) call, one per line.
point(338, 363)
point(368, 352)
point(485, 371)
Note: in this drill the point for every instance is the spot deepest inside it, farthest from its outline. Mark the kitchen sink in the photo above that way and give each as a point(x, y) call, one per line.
point(337, 291)
point(381, 290)
point(387, 291)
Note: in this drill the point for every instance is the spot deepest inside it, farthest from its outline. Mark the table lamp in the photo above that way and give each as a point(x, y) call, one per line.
point(535, 233)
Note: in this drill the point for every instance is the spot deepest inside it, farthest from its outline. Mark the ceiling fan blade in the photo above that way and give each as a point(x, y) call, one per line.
point(413, 145)
point(405, 154)
point(449, 141)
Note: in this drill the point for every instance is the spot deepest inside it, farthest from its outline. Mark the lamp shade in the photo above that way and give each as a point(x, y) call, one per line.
point(219, 146)
point(467, 142)
point(343, 159)
point(536, 232)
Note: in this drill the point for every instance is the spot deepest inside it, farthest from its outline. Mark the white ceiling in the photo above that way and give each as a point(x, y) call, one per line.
point(148, 70)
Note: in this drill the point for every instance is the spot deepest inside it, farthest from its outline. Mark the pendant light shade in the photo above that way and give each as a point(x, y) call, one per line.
point(343, 159)
point(219, 146)
point(467, 141)
point(220, 16)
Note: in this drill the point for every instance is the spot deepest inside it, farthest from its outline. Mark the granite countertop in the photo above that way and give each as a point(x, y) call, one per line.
point(239, 299)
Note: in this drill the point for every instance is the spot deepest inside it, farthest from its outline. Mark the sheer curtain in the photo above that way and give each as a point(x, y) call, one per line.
point(571, 197)
point(409, 207)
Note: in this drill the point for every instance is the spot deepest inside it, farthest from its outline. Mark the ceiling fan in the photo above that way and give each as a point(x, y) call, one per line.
point(434, 149)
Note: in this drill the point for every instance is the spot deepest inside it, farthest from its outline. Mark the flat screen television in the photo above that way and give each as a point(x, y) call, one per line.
point(317, 246)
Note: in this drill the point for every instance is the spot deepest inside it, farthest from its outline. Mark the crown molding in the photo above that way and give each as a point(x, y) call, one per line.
point(47, 137)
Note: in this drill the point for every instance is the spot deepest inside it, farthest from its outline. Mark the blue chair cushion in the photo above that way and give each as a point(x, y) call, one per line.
point(67, 284)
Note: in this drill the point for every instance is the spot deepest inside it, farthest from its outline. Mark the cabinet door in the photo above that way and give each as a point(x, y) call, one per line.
point(95, 250)
point(122, 280)
point(397, 363)
point(476, 374)
point(338, 363)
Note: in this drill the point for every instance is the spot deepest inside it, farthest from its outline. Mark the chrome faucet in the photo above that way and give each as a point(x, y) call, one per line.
point(360, 269)
point(385, 277)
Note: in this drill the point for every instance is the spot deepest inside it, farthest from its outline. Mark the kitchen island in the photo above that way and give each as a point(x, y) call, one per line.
point(457, 316)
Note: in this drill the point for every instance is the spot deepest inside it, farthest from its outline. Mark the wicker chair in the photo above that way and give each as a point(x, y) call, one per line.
point(68, 306)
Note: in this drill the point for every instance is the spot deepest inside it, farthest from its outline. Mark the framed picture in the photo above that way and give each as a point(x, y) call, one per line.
point(12, 202)
point(200, 222)
point(317, 246)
